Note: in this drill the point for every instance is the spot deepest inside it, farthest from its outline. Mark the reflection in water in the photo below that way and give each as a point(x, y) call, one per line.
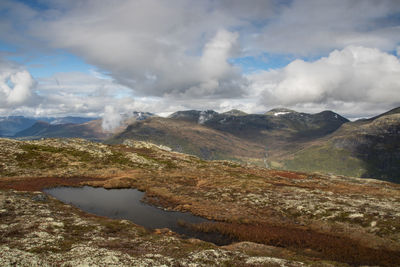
point(126, 204)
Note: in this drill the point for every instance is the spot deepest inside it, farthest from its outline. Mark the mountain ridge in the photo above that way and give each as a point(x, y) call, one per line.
point(11, 125)
point(280, 138)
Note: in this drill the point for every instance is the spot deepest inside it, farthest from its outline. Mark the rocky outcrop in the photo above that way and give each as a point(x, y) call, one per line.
point(36, 230)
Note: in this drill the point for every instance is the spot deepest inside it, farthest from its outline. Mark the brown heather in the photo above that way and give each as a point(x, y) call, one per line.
point(299, 218)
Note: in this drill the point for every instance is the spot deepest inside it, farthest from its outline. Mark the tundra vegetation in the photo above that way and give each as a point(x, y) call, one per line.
point(279, 218)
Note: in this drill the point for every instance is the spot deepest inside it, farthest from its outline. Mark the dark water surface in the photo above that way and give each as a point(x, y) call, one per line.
point(127, 204)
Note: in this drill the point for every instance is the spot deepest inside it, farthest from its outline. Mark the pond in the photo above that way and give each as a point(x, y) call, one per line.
point(127, 204)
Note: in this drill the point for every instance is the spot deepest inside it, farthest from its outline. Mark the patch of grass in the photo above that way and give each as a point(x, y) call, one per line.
point(149, 155)
point(8, 173)
point(60, 246)
point(119, 159)
point(326, 159)
point(168, 164)
point(43, 157)
point(78, 230)
point(32, 158)
point(115, 227)
point(32, 148)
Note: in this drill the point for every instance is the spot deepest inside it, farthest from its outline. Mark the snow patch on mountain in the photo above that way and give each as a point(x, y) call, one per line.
point(280, 113)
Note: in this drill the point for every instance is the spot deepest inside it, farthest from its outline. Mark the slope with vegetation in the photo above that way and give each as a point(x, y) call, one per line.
point(233, 134)
point(192, 138)
point(282, 123)
point(365, 148)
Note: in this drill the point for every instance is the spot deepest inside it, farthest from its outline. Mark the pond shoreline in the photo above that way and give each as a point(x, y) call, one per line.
point(128, 204)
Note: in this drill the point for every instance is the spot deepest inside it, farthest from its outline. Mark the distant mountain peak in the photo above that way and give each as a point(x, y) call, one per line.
point(184, 113)
point(194, 115)
point(235, 112)
point(279, 111)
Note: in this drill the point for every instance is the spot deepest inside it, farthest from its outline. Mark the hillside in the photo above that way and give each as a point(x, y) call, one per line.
point(279, 218)
point(190, 137)
point(261, 127)
point(233, 134)
point(365, 148)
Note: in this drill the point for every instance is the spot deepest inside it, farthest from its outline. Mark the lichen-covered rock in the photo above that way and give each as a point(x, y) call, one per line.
point(302, 212)
point(36, 233)
point(142, 144)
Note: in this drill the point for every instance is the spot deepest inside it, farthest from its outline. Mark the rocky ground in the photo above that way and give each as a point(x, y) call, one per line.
point(282, 218)
point(37, 230)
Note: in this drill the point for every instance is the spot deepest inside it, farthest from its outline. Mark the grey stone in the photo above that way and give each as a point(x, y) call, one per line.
point(40, 198)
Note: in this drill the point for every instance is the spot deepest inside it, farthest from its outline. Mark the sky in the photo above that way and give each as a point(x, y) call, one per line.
point(103, 58)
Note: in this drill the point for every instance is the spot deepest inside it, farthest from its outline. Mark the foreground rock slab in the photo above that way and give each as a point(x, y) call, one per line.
point(36, 230)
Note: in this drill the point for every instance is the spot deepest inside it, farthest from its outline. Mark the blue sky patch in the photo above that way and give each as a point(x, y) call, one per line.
point(47, 65)
point(263, 62)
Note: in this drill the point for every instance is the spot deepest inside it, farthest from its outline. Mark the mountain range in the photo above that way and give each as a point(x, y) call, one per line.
point(280, 138)
point(10, 126)
point(283, 139)
point(65, 127)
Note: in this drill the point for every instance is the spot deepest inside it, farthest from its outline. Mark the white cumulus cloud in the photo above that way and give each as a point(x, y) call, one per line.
point(355, 74)
point(156, 48)
point(21, 91)
point(16, 86)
